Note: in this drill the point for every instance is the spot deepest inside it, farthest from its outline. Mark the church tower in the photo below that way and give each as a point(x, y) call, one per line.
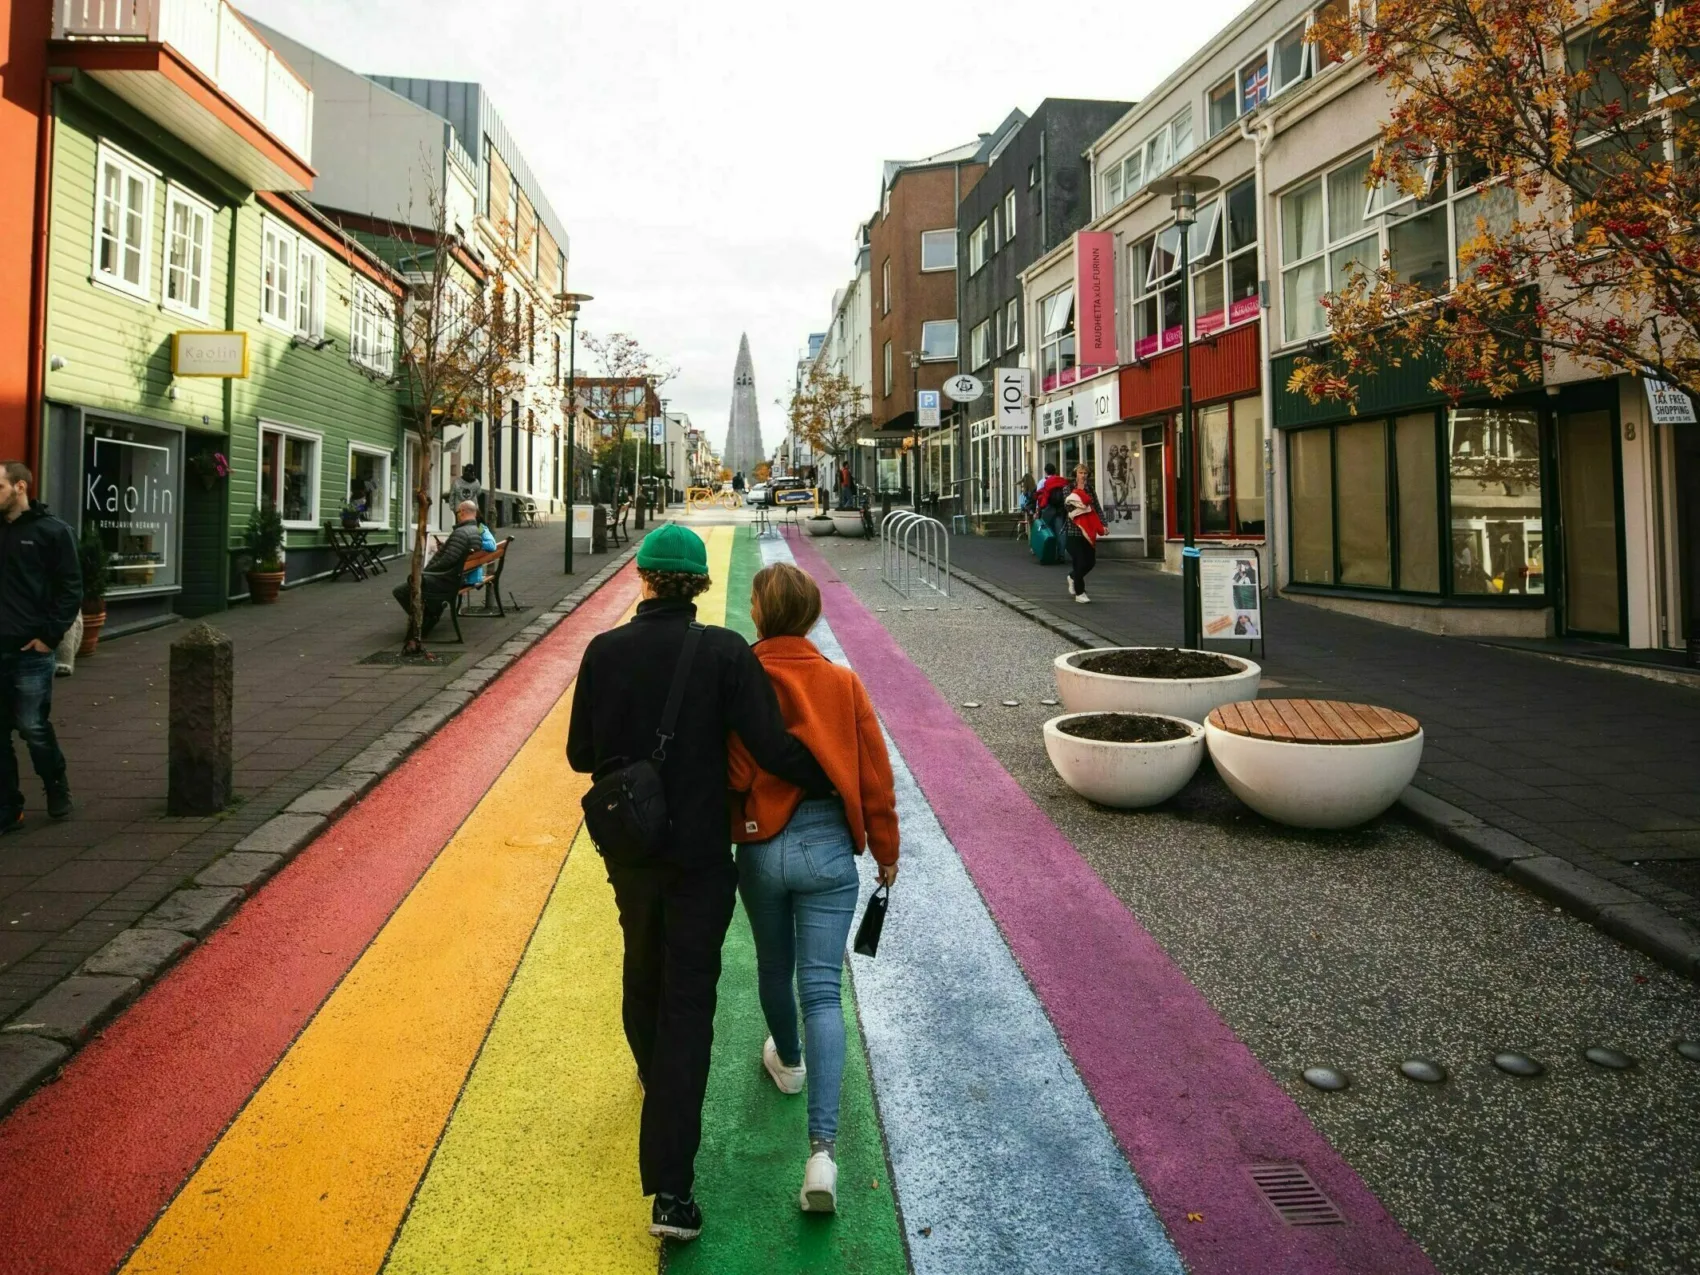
point(744, 450)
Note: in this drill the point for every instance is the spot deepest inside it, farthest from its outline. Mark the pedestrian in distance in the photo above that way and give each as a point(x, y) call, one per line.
point(41, 594)
point(465, 488)
point(1085, 525)
point(676, 902)
point(1049, 500)
point(441, 578)
point(796, 858)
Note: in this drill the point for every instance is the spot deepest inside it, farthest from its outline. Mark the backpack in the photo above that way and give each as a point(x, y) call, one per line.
point(1057, 497)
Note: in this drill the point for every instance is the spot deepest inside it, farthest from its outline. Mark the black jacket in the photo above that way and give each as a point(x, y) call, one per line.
point(622, 691)
point(446, 570)
point(41, 581)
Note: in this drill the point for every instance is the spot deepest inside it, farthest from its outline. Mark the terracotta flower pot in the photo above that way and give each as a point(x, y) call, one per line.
point(93, 622)
point(263, 586)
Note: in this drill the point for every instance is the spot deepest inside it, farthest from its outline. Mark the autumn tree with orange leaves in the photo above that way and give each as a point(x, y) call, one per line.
point(1581, 123)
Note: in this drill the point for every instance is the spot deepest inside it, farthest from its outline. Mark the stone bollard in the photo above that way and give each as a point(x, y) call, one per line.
point(203, 684)
point(599, 528)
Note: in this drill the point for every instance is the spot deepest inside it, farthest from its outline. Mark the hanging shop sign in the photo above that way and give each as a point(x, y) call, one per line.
point(927, 404)
point(1229, 597)
point(222, 354)
point(1015, 413)
point(1095, 299)
point(964, 388)
point(1669, 405)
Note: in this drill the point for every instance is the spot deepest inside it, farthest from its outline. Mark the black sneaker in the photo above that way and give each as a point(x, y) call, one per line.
point(675, 1219)
point(11, 821)
point(59, 799)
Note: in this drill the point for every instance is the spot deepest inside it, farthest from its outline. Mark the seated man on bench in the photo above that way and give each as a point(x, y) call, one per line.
point(443, 575)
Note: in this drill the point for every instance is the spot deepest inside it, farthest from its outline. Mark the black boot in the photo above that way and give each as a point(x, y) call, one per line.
point(58, 797)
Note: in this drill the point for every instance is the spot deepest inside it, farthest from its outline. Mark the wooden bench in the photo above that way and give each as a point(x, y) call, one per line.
point(1313, 721)
point(617, 523)
point(492, 562)
point(1314, 763)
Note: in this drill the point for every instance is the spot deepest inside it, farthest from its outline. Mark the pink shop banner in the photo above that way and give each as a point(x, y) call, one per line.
point(1095, 298)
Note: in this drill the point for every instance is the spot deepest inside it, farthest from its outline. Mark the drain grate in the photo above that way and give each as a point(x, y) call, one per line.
point(1297, 1200)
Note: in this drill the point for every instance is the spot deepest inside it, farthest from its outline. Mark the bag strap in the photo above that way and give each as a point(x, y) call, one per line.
point(676, 695)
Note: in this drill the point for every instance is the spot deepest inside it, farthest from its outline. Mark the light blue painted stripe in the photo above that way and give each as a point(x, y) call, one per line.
point(998, 1151)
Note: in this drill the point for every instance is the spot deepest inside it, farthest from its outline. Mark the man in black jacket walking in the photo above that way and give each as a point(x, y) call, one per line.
point(674, 912)
point(41, 590)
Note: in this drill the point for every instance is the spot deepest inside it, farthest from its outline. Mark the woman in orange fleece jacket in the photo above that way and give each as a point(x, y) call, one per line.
point(796, 858)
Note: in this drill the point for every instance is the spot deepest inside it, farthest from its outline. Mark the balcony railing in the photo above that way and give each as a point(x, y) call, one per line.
point(212, 36)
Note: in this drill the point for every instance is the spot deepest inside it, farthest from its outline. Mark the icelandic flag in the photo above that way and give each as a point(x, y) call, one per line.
point(1256, 86)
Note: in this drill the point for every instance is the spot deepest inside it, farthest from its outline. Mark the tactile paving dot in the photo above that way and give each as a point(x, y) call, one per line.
point(1609, 1058)
point(1516, 1064)
point(1326, 1078)
point(1424, 1070)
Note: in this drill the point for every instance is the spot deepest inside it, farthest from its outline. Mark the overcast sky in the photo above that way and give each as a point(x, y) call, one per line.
point(712, 161)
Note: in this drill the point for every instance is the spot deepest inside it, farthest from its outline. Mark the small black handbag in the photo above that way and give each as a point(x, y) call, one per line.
point(625, 810)
point(873, 921)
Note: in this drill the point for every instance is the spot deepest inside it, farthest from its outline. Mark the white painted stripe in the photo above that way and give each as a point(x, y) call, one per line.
point(1001, 1159)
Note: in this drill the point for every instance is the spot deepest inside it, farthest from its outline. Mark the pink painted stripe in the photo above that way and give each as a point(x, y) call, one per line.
point(1188, 1102)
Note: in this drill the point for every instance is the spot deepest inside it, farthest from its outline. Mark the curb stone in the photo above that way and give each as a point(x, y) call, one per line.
point(1614, 909)
point(33, 1046)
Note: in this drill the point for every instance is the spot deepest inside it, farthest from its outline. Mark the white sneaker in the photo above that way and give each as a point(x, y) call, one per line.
point(1071, 584)
point(786, 1079)
point(820, 1184)
point(1081, 597)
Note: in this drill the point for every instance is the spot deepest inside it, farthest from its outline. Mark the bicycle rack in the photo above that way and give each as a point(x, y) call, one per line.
point(914, 549)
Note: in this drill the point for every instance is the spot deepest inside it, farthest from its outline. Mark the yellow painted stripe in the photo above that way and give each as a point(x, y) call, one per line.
point(538, 1168)
point(315, 1174)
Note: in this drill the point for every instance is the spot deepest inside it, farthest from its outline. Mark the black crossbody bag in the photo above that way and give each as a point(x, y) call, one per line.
point(625, 810)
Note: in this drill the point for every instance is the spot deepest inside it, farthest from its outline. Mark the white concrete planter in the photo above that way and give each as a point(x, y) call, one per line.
point(820, 526)
point(1314, 785)
point(848, 522)
point(1190, 699)
point(1126, 776)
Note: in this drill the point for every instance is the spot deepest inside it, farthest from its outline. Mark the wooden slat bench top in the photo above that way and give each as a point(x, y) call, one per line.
point(1313, 721)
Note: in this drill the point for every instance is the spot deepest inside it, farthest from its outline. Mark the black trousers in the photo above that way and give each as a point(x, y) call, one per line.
point(433, 600)
point(674, 920)
point(1082, 556)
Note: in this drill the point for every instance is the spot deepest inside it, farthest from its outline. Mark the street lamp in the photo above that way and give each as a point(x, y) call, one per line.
point(1183, 192)
point(919, 452)
point(570, 302)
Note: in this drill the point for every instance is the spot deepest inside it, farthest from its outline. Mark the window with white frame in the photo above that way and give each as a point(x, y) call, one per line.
point(1160, 152)
point(1154, 277)
point(1289, 58)
point(289, 473)
point(886, 355)
point(1112, 186)
point(188, 252)
point(938, 250)
point(980, 344)
point(1012, 324)
point(938, 340)
point(310, 293)
point(885, 286)
point(1338, 222)
point(1056, 338)
point(371, 329)
point(979, 245)
point(369, 484)
point(1222, 106)
point(1224, 273)
point(1009, 214)
point(278, 251)
point(123, 227)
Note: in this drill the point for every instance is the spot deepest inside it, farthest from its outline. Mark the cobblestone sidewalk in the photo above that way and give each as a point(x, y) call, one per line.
point(305, 704)
point(1591, 764)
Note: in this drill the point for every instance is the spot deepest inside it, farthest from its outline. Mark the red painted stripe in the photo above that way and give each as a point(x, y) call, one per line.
point(87, 1163)
point(1189, 1103)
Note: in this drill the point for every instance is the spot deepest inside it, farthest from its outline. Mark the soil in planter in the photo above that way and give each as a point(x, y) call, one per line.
point(1159, 661)
point(1125, 728)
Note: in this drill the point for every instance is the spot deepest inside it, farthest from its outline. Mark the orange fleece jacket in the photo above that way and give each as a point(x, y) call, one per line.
point(827, 707)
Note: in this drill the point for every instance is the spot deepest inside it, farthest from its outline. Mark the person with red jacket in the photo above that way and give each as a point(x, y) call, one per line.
point(796, 856)
point(1085, 525)
point(1048, 499)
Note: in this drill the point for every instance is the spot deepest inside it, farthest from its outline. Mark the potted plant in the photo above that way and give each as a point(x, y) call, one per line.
point(263, 540)
point(1154, 679)
point(820, 524)
point(351, 516)
point(1124, 760)
point(210, 467)
point(91, 556)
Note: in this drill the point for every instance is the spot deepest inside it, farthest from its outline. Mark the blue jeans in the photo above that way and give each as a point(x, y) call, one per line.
point(26, 699)
point(799, 891)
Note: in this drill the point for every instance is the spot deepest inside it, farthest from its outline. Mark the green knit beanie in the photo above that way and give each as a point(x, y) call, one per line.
point(673, 548)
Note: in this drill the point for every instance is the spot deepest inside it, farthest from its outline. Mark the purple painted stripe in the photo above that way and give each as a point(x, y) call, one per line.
point(1189, 1103)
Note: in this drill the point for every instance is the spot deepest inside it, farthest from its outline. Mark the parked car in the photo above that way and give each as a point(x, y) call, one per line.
point(757, 494)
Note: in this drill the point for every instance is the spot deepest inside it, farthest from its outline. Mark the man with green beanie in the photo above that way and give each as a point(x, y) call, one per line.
point(674, 910)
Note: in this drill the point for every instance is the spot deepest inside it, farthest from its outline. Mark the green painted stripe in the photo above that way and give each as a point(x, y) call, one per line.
point(755, 1139)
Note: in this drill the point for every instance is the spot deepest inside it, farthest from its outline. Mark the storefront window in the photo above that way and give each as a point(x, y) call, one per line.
point(132, 489)
point(1495, 475)
point(1215, 487)
point(1360, 476)
point(289, 475)
point(1248, 467)
point(369, 485)
point(1419, 503)
point(1119, 489)
point(1310, 465)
